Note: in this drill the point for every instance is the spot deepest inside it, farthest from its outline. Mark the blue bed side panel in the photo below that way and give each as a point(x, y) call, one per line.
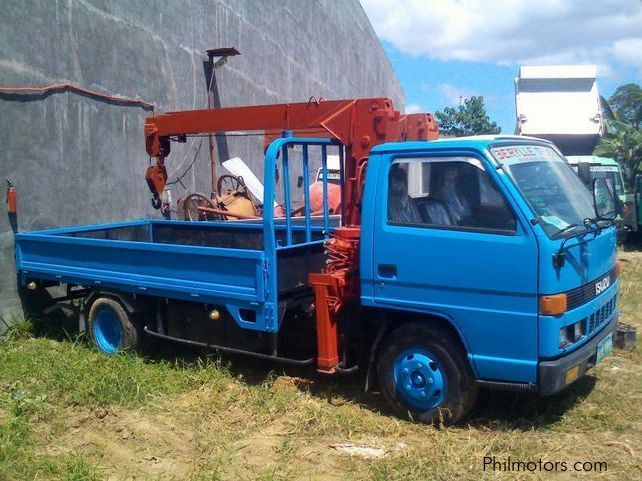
point(235, 278)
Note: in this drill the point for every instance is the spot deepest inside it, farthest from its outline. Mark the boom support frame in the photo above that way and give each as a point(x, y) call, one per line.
point(357, 124)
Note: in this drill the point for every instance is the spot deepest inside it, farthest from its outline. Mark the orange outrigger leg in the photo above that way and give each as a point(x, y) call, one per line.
point(333, 288)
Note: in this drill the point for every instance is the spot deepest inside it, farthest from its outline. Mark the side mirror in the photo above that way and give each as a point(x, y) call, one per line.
point(584, 173)
point(604, 201)
point(619, 207)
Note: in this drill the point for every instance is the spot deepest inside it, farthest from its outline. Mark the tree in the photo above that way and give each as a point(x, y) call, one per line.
point(623, 141)
point(626, 104)
point(470, 118)
point(624, 144)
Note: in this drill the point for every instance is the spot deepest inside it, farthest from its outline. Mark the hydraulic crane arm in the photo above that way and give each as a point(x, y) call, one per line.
point(359, 124)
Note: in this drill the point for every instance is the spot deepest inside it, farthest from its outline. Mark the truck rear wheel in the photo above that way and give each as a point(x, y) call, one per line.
point(110, 326)
point(424, 375)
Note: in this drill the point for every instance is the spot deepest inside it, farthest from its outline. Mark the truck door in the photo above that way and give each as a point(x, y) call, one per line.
point(448, 242)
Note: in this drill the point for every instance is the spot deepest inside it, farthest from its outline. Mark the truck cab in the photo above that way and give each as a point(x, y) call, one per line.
point(496, 241)
point(607, 168)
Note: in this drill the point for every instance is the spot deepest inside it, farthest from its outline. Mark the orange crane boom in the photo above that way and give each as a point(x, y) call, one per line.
point(359, 124)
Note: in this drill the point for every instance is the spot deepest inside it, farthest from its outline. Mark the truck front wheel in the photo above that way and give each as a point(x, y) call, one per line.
point(424, 375)
point(110, 326)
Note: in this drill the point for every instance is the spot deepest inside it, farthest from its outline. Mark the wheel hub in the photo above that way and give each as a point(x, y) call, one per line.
point(420, 380)
point(107, 331)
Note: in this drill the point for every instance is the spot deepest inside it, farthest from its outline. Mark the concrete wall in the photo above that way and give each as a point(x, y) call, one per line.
point(76, 160)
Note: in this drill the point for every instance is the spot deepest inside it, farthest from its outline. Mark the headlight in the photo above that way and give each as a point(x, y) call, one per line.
point(578, 331)
point(564, 341)
point(571, 334)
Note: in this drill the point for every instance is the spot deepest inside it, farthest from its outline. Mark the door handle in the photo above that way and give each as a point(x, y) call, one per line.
point(387, 270)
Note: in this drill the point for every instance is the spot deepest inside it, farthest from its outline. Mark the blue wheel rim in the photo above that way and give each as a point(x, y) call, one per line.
point(420, 379)
point(107, 330)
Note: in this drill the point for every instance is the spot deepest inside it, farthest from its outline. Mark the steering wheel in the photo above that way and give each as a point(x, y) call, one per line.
point(229, 183)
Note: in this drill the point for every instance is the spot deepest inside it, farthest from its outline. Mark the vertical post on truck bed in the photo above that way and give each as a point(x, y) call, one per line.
point(326, 216)
point(286, 194)
point(306, 195)
point(269, 238)
point(280, 147)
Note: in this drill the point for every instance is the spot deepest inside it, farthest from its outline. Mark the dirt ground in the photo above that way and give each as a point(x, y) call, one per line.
point(128, 418)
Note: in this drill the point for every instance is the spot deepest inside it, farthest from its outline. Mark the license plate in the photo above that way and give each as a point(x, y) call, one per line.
point(604, 348)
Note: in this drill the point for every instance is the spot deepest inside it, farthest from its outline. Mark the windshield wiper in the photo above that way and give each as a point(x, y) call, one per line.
point(566, 229)
point(563, 230)
point(590, 227)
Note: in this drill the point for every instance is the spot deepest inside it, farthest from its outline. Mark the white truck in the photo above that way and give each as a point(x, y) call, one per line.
point(561, 103)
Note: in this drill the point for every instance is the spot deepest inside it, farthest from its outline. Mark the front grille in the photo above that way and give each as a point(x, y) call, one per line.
point(599, 317)
point(583, 294)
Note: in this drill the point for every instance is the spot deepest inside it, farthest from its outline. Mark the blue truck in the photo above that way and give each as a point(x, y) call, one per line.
point(481, 262)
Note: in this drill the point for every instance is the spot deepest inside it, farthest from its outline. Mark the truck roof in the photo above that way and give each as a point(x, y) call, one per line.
point(479, 142)
point(557, 71)
point(591, 159)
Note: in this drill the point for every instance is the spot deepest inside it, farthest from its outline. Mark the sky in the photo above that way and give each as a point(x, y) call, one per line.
point(447, 50)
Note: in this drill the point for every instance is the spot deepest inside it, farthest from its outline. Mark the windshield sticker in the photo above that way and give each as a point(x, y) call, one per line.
point(554, 221)
point(603, 168)
point(503, 153)
point(523, 153)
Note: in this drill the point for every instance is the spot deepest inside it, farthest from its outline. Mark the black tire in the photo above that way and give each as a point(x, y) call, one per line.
point(443, 365)
point(110, 327)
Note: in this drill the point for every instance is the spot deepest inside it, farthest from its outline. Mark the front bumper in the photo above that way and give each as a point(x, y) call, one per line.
point(552, 374)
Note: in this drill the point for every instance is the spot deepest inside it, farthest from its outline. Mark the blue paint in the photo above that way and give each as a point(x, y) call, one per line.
point(107, 330)
point(485, 285)
point(306, 194)
point(468, 278)
point(270, 247)
point(420, 379)
point(286, 194)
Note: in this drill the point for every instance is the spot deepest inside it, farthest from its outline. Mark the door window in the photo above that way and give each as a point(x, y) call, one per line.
point(446, 192)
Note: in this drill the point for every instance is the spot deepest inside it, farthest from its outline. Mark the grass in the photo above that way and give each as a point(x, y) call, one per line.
point(70, 413)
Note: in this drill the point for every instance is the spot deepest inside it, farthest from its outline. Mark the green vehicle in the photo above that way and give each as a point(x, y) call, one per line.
point(607, 168)
point(637, 198)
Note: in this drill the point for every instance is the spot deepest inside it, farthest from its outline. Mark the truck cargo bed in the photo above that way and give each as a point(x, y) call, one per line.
point(218, 263)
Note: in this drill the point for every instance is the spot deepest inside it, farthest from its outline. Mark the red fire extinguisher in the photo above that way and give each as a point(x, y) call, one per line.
point(12, 208)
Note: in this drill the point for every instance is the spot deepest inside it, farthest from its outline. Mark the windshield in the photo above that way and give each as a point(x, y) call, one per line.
point(610, 173)
point(555, 193)
point(606, 172)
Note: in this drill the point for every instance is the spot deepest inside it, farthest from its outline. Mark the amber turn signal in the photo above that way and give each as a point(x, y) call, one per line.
point(619, 267)
point(553, 305)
